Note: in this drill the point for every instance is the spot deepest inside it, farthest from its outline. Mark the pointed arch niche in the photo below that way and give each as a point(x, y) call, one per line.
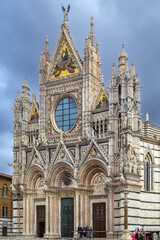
point(148, 172)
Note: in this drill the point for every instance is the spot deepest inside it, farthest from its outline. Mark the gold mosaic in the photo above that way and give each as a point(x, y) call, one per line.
point(65, 65)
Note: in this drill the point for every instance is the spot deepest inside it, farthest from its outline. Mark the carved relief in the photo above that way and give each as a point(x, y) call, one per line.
point(66, 180)
point(62, 153)
point(83, 150)
point(98, 184)
point(93, 152)
point(40, 183)
point(52, 154)
point(125, 122)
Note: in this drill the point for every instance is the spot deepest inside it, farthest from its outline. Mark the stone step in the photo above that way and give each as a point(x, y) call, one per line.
point(18, 238)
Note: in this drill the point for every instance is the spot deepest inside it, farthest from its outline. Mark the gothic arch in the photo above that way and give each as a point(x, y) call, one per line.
point(35, 177)
point(148, 172)
point(149, 153)
point(90, 169)
point(58, 170)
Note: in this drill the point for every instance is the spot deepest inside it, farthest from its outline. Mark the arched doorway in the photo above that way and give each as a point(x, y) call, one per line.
point(93, 175)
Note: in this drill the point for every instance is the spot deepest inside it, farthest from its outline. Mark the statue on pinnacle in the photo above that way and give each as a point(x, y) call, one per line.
point(66, 14)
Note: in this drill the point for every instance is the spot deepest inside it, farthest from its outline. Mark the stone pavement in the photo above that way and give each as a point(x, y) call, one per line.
point(18, 238)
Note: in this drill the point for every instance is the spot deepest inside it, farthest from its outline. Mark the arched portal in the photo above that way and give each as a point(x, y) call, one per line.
point(35, 177)
point(61, 179)
point(90, 169)
point(61, 175)
point(92, 175)
point(35, 209)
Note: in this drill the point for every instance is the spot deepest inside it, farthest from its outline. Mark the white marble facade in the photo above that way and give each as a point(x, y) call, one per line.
point(107, 149)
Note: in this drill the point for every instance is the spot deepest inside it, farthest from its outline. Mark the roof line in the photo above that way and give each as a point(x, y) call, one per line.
point(5, 175)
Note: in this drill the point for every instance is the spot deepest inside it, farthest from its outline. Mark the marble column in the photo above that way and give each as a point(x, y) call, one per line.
point(110, 202)
point(24, 214)
point(126, 234)
point(47, 216)
point(125, 214)
point(76, 213)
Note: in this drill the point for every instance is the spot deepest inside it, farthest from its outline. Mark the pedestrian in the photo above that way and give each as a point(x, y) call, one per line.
point(87, 231)
point(90, 232)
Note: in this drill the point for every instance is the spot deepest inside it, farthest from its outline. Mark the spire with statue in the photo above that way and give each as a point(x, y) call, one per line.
point(65, 12)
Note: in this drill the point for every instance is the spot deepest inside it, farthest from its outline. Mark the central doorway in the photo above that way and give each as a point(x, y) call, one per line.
point(99, 220)
point(40, 221)
point(67, 217)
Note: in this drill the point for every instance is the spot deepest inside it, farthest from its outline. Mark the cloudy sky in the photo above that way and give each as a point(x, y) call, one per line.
point(24, 25)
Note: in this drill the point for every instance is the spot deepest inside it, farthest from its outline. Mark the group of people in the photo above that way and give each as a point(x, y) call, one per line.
point(85, 232)
point(138, 234)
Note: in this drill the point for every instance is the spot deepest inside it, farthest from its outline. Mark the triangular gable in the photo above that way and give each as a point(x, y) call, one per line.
point(34, 115)
point(94, 151)
point(62, 154)
point(102, 99)
point(35, 158)
point(66, 60)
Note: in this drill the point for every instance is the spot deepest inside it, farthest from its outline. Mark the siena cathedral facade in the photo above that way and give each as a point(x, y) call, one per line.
point(81, 145)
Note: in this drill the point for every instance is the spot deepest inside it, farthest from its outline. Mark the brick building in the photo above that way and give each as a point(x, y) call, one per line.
point(6, 208)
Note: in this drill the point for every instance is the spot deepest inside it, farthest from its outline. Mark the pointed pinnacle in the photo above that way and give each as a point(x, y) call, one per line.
point(123, 51)
point(92, 24)
point(47, 42)
point(147, 117)
point(86, 41)
point(91, 35)
point(97, 50)
point(18, 95)
point(25, 83)
point(126, 64)
point(133, 69)
point(34, 97)
point(113, 70)
point(102, 80)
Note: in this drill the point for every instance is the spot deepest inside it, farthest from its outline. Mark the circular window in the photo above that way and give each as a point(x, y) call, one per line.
point(66, 114)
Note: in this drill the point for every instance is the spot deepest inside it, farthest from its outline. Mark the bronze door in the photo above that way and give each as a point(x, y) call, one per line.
point(67, 217)
point(40, 221)
point(99, 219)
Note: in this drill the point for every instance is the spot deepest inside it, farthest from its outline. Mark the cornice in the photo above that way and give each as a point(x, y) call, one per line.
point(149, 140)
